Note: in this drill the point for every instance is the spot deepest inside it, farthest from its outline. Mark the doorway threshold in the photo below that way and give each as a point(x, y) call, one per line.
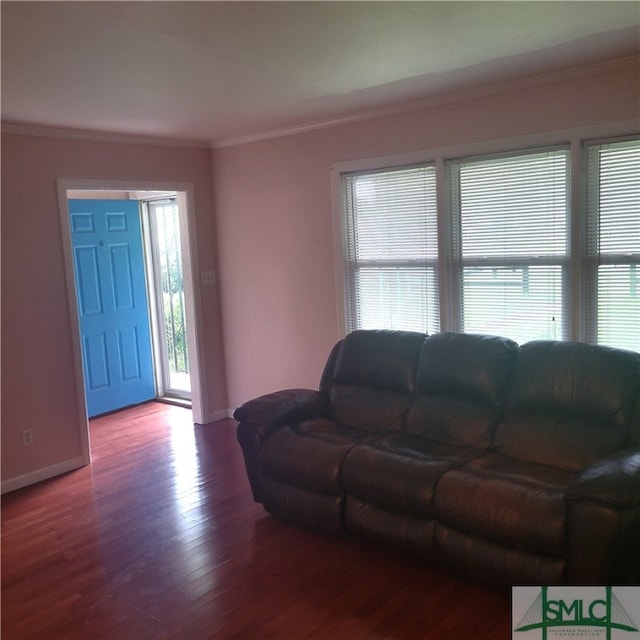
point(180, 402)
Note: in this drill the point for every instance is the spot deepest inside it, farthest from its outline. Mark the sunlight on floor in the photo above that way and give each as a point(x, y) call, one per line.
point(190, 517)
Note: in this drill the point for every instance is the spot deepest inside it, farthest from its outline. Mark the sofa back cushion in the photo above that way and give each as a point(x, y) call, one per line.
point(461, 386)
point(569, 404)
point(374, 379)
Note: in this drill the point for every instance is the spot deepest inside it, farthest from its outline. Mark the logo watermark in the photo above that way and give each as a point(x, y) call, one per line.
point(573, 613)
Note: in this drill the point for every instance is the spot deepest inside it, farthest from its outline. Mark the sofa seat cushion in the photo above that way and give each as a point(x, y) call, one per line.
point(309, 454)
point(399, 472)
point(454, 421)
point(507, 502)
point(560, 440)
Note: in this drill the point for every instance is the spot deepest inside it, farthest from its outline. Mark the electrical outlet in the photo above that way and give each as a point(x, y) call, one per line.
point(27, 437)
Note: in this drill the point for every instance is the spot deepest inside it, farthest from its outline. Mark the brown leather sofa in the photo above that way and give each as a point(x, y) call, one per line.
point(507, 464)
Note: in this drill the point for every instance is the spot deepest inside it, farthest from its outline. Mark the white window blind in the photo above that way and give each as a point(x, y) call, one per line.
point(392, 250)
point(515, 262)
point(510, 224)
point(612, 290)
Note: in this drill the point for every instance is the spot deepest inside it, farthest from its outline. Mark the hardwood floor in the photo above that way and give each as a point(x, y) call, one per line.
point(160, 538)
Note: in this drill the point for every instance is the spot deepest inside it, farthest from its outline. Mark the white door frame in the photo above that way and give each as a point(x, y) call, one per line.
point(193, 302)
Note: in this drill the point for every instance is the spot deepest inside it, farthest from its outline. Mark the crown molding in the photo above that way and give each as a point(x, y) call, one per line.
point(564, 75)
point(15, 128)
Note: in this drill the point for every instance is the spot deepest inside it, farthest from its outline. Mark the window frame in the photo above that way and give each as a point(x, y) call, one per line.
point(592, 258)
point(354, 265)
point(573, 280)
point(522, 260)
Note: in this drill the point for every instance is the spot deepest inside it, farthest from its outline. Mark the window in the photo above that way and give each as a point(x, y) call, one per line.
point(499, 244)
point(613, 245)
point(392, 255)
point(512, 243)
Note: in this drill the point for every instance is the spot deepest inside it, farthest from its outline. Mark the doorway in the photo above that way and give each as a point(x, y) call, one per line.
point(182, 196)
point(161, 229)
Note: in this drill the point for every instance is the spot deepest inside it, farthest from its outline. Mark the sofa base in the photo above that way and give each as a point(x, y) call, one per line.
point(365, 520)
point(319, 511)
point(487, 562)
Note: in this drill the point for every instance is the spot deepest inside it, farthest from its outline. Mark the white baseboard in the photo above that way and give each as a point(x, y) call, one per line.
point(218, 415)
point(12, 484)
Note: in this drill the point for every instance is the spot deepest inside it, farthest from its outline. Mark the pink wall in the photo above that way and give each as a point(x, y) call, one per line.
point(272, 206)
point(274, 220)
point(37, 367)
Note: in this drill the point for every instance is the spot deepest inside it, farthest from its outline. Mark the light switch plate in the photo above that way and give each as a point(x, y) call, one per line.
point(207, 277)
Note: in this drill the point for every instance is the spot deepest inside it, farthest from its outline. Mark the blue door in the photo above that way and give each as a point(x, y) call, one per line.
point(112, 304)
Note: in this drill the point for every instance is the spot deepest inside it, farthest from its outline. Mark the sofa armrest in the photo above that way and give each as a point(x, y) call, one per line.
point(281, 407)
point(614, 480)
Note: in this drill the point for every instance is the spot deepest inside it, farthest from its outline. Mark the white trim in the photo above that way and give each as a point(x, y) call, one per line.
point(448, 287)
point(72, 304)
point(15, 128)
point(218, 415)
point(12, 484)
point(578, 224)
point(339, 244)
point(152, 299)
point(440, 99)
point(193, 302)
point(221, 414)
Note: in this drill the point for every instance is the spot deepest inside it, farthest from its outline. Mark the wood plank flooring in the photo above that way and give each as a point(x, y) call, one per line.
point(160, 538)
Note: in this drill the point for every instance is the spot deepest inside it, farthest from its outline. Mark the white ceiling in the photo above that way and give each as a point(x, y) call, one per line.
point(215, 71)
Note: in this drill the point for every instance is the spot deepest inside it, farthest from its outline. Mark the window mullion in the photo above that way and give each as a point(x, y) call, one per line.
point(574, 276)
point(448, 272)
point(451, 220)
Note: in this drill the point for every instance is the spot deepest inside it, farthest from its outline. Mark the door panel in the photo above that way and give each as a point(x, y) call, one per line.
point(97, 369)
point(112, 303)
point(87, 280)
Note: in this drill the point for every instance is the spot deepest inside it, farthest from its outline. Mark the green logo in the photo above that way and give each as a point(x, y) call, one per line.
point(603, 613)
